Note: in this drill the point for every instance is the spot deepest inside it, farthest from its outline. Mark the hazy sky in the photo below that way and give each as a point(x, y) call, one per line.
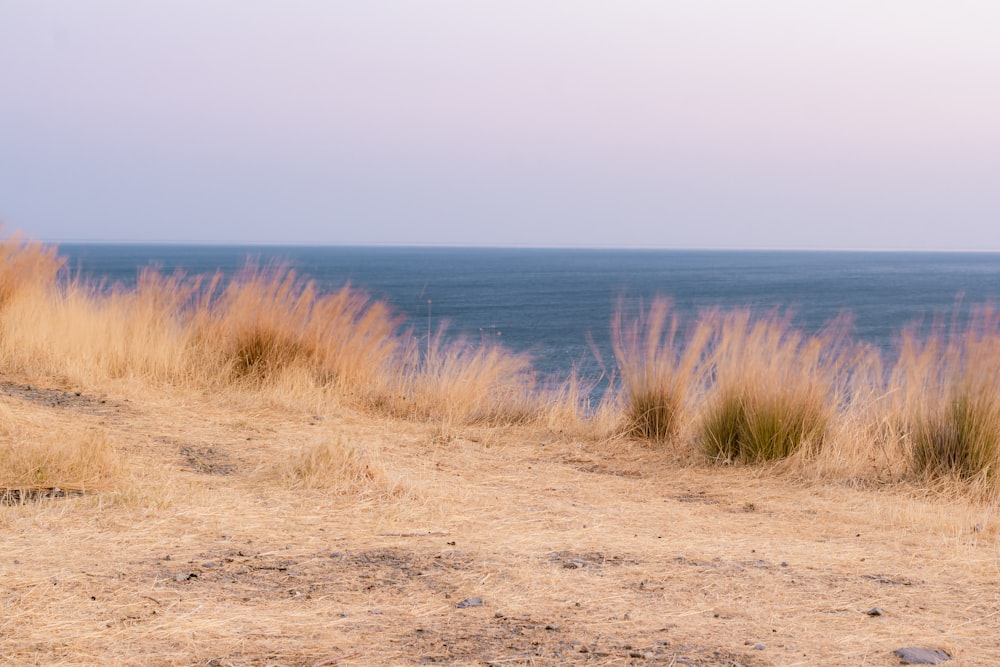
point(667, 123)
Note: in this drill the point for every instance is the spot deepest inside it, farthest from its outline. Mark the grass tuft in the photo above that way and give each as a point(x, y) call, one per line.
point(774, 390)
point(955, 424)
point(657, 374)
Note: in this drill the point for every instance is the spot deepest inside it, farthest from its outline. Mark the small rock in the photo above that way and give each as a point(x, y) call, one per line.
point(875, 611)
point(759, 647)
point(912, 655)
point(470, 602)
point(636, 654)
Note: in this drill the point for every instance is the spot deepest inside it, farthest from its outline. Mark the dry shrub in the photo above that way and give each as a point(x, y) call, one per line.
point(774, 390)
point(335, 466)
point(34, 459)
point(657, 374)
point(954, 412)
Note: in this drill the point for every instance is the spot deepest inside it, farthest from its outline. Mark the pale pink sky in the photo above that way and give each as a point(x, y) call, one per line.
point(703, 123)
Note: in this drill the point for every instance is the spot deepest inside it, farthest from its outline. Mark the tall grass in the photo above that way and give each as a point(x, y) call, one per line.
point(262, 330)
point(267, 320)
point(657, 373)
point(774, 390)
point(730, 386)
point(457, 381)
point(955, 420)
point(26, 266)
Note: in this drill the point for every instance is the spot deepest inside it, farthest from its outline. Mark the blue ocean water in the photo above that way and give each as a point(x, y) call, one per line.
point(553, 302)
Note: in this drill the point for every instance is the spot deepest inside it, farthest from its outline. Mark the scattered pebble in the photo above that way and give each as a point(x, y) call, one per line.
point(876, 611)
point(470, 602)
point(759, 647)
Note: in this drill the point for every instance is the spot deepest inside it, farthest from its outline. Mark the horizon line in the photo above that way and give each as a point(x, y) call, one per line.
point(502, 246)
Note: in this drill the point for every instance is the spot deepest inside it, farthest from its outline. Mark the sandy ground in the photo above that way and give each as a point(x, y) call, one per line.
point(466, 546)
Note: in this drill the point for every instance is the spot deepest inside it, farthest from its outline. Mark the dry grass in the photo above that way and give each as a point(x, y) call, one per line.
point(774, 390)
point(253, 534)
point(458, 382)
point(269, 475)
point(35, 458)
point(955, 420)
point(659, 376)
point(330, 464)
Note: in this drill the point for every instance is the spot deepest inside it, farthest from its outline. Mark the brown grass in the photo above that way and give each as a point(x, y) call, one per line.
point(35, 458)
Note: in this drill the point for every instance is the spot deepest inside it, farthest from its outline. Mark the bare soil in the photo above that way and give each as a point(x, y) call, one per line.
point(580, 552)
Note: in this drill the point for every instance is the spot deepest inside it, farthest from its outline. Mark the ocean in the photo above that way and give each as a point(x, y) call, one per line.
point(557, 304)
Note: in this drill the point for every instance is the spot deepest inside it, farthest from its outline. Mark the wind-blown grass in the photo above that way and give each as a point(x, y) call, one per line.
point(774, 390)
point(657, 373)
point(729, 386)
point(955, 424)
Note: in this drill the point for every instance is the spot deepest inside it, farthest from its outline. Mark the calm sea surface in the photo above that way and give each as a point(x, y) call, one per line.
point(551, 303)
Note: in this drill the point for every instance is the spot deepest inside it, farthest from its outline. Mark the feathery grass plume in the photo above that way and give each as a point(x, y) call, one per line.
point(657, 373)
point(774, 390)
point(461, 382)
point(955, 419)
point(26, 265)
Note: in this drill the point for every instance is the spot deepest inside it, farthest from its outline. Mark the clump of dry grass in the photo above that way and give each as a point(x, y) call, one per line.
point(774, 390)
point(954, 420)
point(658, 375)
point(267, 320)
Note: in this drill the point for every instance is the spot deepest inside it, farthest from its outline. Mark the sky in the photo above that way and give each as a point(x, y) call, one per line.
point(855, 124)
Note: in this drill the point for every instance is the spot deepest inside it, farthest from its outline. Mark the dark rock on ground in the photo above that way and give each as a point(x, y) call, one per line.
point(912, 655)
